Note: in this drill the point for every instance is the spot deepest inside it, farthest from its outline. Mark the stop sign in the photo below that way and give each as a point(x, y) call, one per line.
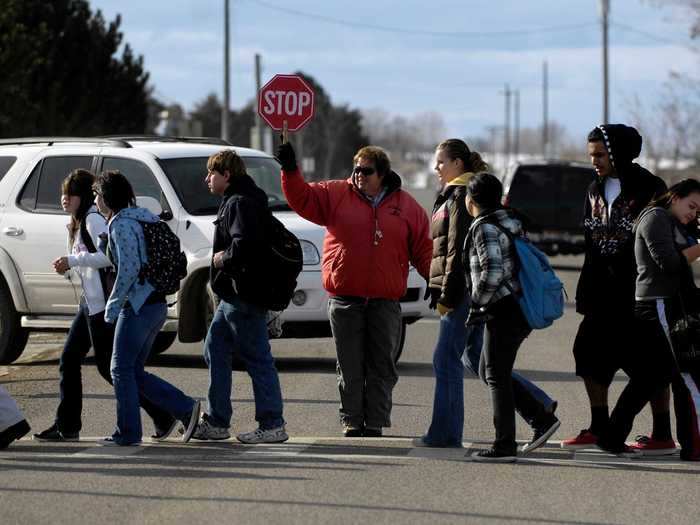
point(286, 97)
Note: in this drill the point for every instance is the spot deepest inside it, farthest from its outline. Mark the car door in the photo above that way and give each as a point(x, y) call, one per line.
point(534, 192)
point(574, 183)
point(35, 233)
point(141, 177)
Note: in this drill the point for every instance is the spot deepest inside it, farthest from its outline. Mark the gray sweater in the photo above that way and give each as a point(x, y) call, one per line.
point(657, 245)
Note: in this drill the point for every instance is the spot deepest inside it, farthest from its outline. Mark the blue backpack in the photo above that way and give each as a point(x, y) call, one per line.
point(542, 296)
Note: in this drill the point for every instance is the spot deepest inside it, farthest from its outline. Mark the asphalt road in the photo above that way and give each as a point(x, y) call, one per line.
point(320, 477)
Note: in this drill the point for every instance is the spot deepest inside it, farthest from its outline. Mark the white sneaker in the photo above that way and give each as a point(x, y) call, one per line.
point(274, 435)
point(206, 431)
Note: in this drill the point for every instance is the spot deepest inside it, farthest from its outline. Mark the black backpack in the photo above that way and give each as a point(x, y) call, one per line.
point(284, 261)
point(167, 264)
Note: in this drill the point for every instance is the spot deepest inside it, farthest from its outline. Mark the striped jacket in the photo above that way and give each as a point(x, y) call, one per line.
point(492, 258)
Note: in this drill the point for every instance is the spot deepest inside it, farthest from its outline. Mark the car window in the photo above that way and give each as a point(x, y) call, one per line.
point(140, 176)
point(574, 183)
point(187, 177)
point(42, 192)
point(5, 165)
point(534, 193)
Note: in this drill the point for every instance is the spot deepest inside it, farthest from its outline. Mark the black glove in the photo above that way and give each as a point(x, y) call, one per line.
point(286, 157)
point(477, 315)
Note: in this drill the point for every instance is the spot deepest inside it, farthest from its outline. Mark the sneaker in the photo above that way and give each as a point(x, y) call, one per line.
point(191, 422)
point(542, 433)
point(164, 433)
point(585, 439)
point(206, 431)
point(273, 435)
point(372, 432)
point(649, 446)
point(621, 451)
point(109, 441)
point(492, 456)
point(351, 431)
point(53, 434)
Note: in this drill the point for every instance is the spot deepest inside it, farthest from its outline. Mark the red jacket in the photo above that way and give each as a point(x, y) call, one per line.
point(366, 250)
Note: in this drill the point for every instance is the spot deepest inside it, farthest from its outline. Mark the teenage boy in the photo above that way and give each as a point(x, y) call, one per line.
point(239, 325)
point(605, 294)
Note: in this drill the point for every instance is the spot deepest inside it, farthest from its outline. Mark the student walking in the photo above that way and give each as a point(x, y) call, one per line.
point(87, 232)
point(492, 282)
point(138, 311)
point(606, 286)
point(662, 254)
point(13, 425)
point(239, 326)
point(374, 230)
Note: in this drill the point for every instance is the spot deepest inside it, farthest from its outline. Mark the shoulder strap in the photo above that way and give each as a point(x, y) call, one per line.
point(85, 235)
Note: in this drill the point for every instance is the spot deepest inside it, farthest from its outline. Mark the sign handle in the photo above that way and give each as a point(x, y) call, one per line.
point(285, 138)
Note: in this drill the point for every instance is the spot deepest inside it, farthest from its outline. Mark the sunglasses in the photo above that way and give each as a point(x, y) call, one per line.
point(366, 171)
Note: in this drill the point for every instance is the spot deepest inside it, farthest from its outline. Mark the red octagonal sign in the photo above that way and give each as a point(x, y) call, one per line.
point(286, 97)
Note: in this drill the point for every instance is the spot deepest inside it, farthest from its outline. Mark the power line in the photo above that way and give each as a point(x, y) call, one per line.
point(646, 34)
point(389, 29)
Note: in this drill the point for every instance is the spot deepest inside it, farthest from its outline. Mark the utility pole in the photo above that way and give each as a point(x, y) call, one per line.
point(516, 132)
point(226, 105)
point(545, 110)
point(604, 10)
point(506, 130)
point(258, 120)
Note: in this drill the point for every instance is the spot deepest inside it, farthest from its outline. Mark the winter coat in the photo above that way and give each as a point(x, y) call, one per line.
point(127, 246)
point(607, 281)
point(491, 257)
point(367, 248)
point(449, 225)
point(241, 232)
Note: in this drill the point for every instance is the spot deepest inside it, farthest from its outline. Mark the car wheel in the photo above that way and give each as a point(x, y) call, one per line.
point(402, 341)
point(13, 338)
point(164, 340)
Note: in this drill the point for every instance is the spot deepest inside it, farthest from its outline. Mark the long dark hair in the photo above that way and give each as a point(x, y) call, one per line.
point(78, 184)
point(679, 190)
point(458, 149)
point(116, 190)
point(485, 190)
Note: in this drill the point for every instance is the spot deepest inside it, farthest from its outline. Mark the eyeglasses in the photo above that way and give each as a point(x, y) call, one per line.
point(366, 171)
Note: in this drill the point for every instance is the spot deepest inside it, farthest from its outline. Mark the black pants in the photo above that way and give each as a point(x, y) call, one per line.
point(87, 331)
point(649, 364)
point(504, 334)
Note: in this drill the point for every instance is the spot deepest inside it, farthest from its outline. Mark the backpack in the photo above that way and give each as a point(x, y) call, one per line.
point(167, 264)
point(284, 260)
point(542, 296)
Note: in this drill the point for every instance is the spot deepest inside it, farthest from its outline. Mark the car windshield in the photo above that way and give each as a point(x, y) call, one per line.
point(187, 177)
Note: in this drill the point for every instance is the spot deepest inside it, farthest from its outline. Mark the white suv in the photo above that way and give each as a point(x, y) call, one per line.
point(168, 174)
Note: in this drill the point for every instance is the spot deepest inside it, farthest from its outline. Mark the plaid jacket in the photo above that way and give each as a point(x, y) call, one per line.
point(492, 258)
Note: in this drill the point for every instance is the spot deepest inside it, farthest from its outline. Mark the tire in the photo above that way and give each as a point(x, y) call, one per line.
point(164, 340)
point(402, 342)
point(13, 338)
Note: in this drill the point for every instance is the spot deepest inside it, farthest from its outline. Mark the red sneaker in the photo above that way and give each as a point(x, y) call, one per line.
point(585, 439)
point(654, 447)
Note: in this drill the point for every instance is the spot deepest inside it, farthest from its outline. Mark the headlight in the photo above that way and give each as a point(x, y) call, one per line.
point(310, 253)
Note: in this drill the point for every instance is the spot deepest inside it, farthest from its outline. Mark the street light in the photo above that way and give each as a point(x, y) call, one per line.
point(604, 10)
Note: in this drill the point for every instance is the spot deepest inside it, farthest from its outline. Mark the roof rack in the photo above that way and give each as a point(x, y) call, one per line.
point(167, 138)
point(50, 141)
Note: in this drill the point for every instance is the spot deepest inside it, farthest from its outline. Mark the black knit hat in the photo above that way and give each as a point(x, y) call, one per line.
point(624, 143)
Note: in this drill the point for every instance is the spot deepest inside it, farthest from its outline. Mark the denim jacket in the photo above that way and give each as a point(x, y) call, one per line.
point(127, 247)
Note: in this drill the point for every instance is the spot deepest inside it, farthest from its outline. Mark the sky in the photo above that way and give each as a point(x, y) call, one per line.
point(407, 57)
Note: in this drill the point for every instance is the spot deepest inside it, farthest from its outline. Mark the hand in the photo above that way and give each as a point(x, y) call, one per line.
point(444, 310)
point(478, 315)
point(286, 157)
point(219, 259)
point(61, 265)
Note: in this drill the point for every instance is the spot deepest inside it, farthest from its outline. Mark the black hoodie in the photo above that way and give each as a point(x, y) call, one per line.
point(240, 231)
point(607, 281)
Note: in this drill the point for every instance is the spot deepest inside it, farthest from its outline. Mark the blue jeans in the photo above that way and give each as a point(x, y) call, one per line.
point(133, 339)
point(471, 359)
point(241, 327)
point(448, 404)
